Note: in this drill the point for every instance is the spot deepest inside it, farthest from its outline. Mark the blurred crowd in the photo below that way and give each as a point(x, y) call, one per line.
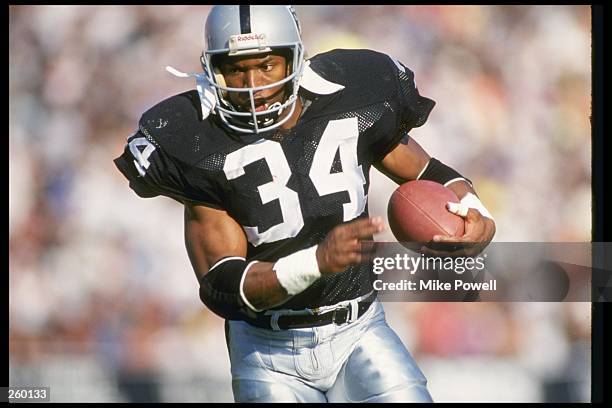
point(103, 303)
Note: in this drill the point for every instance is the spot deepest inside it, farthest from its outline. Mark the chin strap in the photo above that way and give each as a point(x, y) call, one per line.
point(205, 89)
point(275, 105)
point(278, 113)
point(267, 121)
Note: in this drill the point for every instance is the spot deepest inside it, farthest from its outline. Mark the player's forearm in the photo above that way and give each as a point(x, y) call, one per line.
point(234, 288)
point(404, 162)
point(262, 288)
point(267, 285)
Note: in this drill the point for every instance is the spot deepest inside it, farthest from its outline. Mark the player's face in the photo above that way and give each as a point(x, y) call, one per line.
point(254, 71)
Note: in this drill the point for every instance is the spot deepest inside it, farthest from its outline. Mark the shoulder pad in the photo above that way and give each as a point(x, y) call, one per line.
point(176, 125)
point(171, 113)
point(364, 72)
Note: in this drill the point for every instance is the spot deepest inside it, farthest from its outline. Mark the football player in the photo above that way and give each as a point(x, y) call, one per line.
point(270, 156)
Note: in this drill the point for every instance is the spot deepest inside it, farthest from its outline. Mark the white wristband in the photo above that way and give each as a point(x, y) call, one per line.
point(298, 271)
point(471, 201)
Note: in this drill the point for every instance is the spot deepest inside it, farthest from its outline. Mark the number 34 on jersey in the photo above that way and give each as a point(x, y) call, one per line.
point(339, 137)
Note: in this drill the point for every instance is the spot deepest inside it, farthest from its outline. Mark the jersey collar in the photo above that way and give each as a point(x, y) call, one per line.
point(315, 83)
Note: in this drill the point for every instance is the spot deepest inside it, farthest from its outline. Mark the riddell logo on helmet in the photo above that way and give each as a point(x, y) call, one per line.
point(249, 37)
point(246, 42)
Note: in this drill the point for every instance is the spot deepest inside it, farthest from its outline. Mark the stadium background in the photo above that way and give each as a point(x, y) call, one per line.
point(103, 303)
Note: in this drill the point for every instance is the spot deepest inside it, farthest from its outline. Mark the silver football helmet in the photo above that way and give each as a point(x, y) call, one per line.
point(246, 30)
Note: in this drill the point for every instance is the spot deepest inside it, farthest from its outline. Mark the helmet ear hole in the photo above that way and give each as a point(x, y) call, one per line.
point(220, 80)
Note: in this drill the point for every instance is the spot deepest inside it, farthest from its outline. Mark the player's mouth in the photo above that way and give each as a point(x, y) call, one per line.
point(261, 103)
point(262, 107)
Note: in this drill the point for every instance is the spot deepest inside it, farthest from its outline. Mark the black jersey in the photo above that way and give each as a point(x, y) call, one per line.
point(287, 188)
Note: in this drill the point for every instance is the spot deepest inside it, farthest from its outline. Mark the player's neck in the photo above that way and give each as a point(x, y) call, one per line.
point(295, 116)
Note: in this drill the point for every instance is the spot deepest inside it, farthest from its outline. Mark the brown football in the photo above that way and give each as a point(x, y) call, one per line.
point(417, 211)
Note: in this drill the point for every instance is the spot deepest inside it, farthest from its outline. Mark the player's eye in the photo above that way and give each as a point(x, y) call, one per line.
point(231, 70)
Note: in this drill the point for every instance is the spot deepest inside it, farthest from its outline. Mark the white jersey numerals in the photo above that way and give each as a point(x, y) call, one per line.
point(276, 189)
point(142, 158)
point(339, 135)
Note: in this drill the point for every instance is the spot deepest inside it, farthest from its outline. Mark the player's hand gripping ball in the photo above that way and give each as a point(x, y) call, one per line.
point(417, 211)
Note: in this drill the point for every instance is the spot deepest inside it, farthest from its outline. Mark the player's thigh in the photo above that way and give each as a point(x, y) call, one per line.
point(380, 369)
point(255, 378)
point(269, 386)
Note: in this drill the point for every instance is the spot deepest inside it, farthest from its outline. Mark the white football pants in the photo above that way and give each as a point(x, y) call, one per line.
point(363, 361)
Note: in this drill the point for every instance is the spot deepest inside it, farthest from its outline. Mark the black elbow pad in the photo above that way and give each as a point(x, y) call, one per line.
point(440, 173)
point(220, 289)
